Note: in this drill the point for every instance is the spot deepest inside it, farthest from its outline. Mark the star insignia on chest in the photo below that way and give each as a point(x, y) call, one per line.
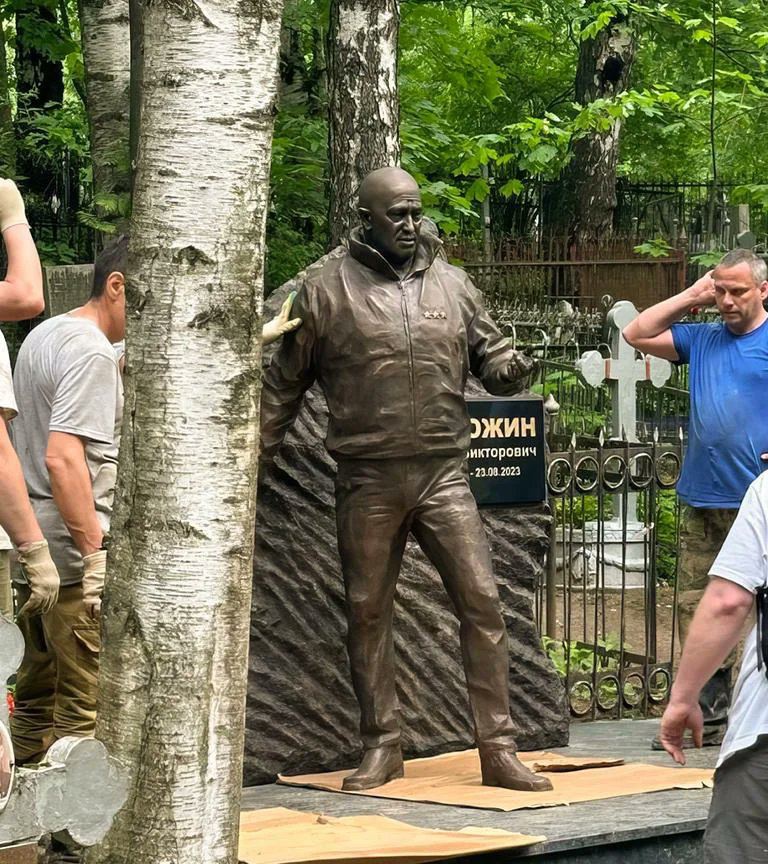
point(434, 313)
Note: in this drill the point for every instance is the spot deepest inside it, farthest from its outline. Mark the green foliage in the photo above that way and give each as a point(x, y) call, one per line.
point(487, 95)
point(581, 658)
point(297, 225)
point(656, 248)
point(708, 259)
point(665, 520)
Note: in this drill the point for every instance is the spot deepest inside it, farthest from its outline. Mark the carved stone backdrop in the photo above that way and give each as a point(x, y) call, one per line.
point(301, 713)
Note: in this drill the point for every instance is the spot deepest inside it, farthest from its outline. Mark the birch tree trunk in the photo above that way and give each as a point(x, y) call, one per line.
point(603, 71)
point(177, 600)
point(105, 29)
point(364, 110)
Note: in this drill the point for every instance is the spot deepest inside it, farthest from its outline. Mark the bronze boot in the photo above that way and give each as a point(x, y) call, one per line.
point(378, 766)
point(503, 768)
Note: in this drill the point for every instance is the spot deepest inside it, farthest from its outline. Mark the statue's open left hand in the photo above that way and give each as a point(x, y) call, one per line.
point(678, 717)
point(281, 323)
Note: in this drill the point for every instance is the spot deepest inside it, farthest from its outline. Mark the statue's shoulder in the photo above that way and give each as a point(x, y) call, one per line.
point(453, 273)
point(318, 273)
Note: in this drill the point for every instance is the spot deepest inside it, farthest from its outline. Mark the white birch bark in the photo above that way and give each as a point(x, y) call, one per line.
point(104, 25)
point(177, 599)
point(364, 109)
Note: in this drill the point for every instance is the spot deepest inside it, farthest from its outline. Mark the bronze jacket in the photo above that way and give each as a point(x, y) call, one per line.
point(391, 354)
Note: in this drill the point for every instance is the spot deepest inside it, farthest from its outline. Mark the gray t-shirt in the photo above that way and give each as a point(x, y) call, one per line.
point(7, 409)
point(67, 380)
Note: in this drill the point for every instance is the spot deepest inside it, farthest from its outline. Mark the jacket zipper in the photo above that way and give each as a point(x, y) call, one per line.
point(407, 323)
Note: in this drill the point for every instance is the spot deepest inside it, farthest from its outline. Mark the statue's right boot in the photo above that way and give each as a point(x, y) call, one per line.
point(501, 767)
point(378, 766)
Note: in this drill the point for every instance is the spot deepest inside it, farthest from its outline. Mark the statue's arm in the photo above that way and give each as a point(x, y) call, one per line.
point(502, 369)
point(290, 374)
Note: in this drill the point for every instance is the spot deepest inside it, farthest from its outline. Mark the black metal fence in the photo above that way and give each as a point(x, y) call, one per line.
point(669, 209)
point(607, 604)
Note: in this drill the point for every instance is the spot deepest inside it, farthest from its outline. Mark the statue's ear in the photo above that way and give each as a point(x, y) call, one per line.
point(365, 216)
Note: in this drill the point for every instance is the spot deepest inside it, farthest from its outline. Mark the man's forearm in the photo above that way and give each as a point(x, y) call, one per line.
point(655, 320)
point(16, 514)
point(21, 292)
point(73, 496)
point(714, 631)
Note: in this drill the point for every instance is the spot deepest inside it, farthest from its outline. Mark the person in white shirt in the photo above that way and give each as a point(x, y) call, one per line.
point(21, 296)
point(737, 827)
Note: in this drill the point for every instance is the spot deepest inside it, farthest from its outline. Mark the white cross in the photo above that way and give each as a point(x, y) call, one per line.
point(622, 370)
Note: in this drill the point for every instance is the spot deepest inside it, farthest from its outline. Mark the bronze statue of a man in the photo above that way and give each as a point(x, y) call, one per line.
point(391, 331)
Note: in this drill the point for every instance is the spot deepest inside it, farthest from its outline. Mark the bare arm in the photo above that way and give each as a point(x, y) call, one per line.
point(16, 514)
point(650, 331)
point(714, 631)
point(21, 292)
point(72, 490)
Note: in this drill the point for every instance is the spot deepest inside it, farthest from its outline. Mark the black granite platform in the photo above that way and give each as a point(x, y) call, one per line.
point(656, 828)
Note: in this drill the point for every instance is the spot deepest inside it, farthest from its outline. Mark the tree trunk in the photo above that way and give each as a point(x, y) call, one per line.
point(136, 82)
point(39, 82)
point(603, 71)
point(39, 79)
point(105, 29)
point(177, 600)
point(364, 111)
point(7, 134)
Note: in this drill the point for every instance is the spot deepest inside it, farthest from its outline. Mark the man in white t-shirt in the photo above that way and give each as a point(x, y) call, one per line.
point(21, 296)
point(737, 827)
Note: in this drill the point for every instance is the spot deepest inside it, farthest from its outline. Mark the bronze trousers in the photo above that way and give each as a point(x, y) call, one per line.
point(378, 502)
point(702, 533)
point(56, 682)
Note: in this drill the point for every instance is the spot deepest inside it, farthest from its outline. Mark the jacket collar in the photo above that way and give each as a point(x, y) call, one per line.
point(427, 250)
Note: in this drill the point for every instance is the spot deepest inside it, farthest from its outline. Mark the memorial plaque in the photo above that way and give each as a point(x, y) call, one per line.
point(507, 454)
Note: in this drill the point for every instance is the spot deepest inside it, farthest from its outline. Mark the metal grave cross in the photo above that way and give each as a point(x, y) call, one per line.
point(622, 371)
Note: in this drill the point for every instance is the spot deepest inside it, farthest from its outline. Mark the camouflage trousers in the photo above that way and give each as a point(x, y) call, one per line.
point(702, 532)
point(56, 682)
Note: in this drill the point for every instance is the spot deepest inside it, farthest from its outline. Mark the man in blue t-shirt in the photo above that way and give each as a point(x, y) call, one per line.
point(728, 429)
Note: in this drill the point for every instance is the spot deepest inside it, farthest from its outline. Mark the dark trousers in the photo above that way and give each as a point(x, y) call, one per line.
point(378, 502)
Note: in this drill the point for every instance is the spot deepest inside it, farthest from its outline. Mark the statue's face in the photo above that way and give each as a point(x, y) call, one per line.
point(393, 223)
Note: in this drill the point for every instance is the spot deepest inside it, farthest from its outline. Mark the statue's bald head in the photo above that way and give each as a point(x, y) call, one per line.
point(384, 183)
point(389, 205)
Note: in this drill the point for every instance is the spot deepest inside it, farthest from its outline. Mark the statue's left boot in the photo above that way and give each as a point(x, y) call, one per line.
point(501, 767)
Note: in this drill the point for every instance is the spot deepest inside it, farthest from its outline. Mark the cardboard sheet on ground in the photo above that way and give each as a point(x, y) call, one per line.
point(281, 836)
point(454, 778)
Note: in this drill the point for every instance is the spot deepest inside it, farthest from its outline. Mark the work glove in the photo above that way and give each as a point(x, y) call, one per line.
point(94, 571)
point(42, 578)
point(11, 206)
point(280, 324)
